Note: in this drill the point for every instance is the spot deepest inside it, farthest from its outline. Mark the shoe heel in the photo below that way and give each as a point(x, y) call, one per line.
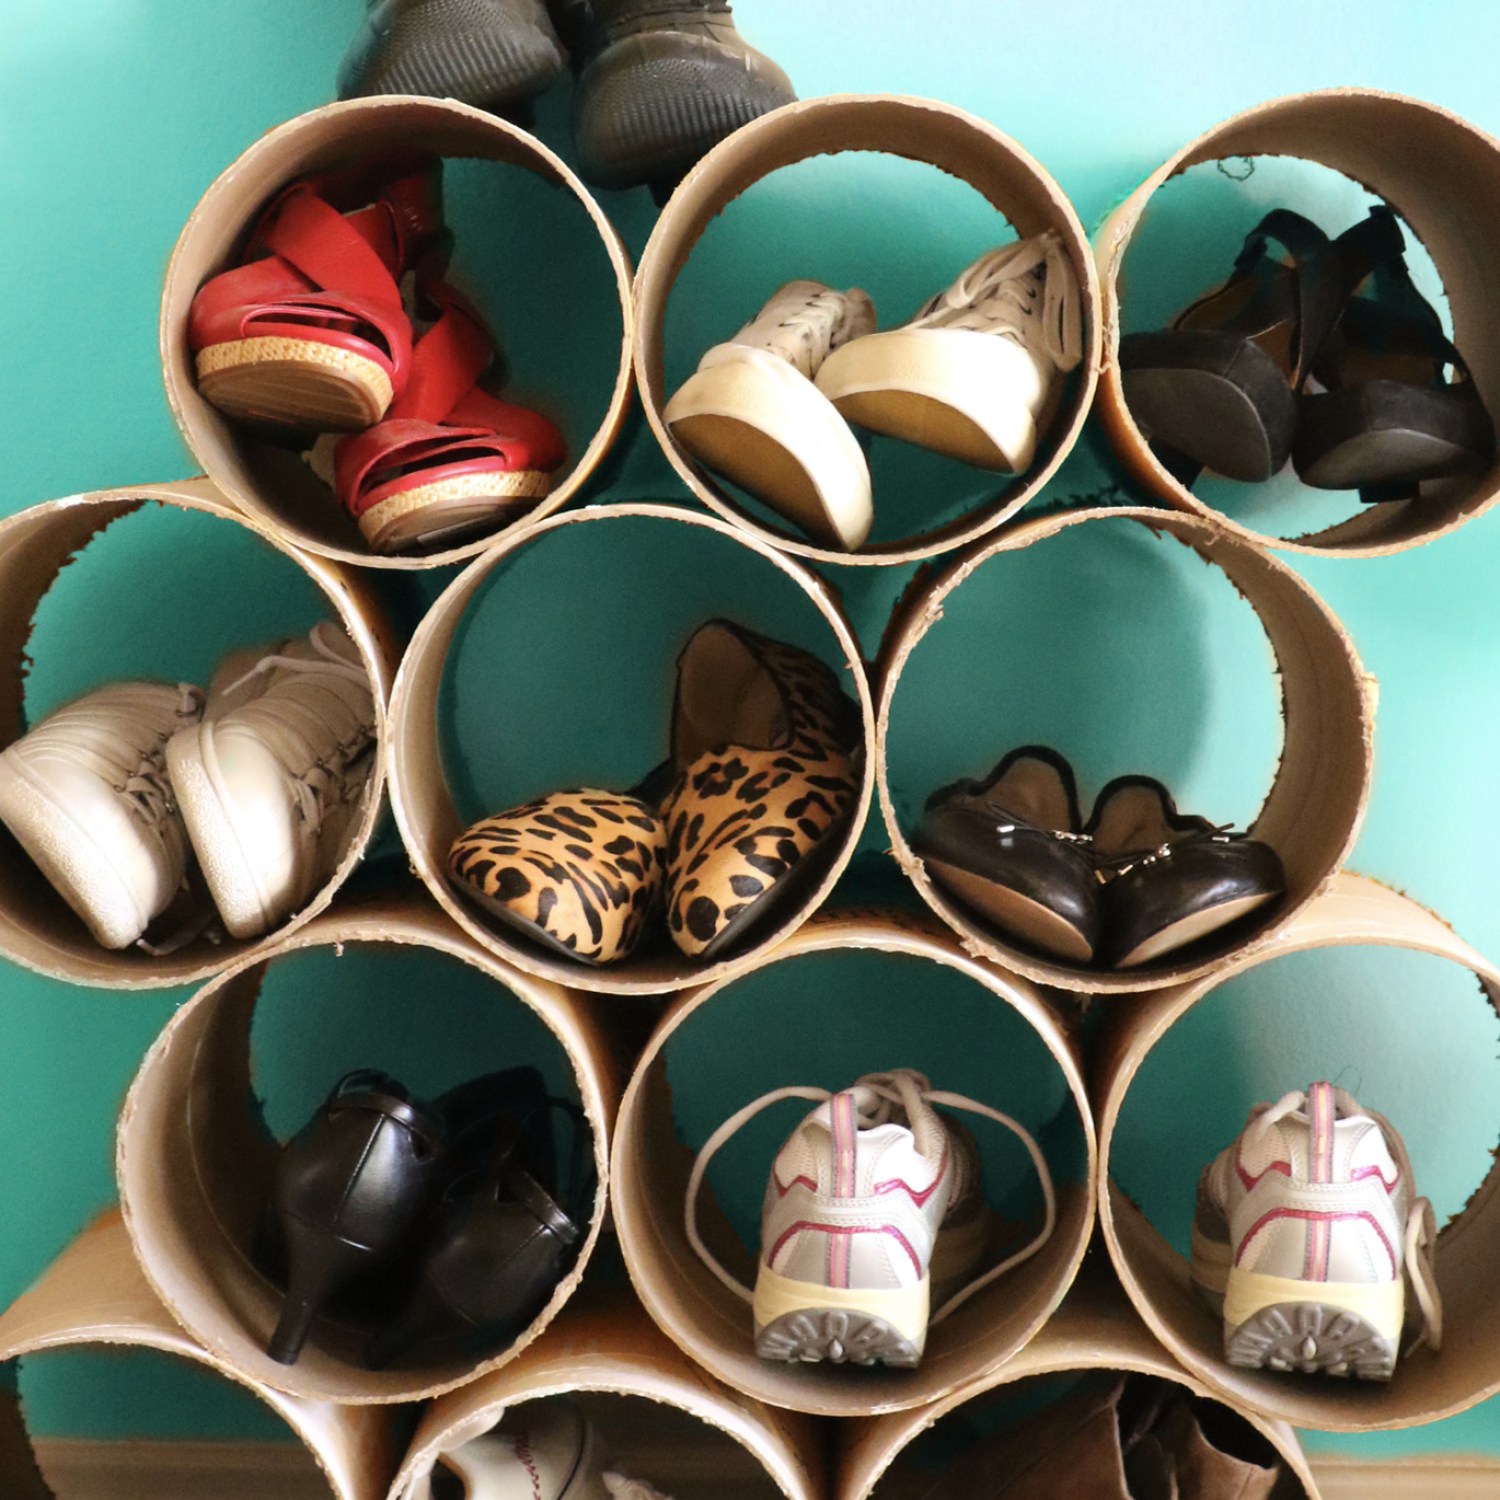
point(319, 1264)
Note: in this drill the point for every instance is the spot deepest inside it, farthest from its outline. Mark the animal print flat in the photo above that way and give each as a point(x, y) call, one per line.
point(581, 871)
point(767, 748)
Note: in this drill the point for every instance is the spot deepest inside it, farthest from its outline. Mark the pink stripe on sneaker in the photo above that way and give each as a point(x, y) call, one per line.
point(845, 1148)
point(1320, 1107)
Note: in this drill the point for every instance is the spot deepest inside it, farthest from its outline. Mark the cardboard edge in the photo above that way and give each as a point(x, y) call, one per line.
point(1355, 910)
point(1282, 589)
point(425, 817)
point(1095, 1329)
point(228, 191)
point(823, 126)
point(351, 602)
point(613, 1348)
point(393, 922)
point(94, 1294)
point(634, 1160)
point(1359, 536)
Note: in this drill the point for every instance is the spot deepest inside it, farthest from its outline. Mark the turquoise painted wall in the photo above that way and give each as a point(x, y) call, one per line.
point(117, 113)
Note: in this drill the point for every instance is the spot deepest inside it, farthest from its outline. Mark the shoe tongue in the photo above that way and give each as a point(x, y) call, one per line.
point(1032, 790)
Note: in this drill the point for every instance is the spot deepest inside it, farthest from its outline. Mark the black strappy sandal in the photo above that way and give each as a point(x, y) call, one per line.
point(1216, 390)
point(1388, 417)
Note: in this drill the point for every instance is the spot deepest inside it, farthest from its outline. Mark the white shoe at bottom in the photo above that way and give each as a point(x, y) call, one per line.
point(874, 1200)
point(271, 780)
point(752, 413)
point(1308, 1231)
point(85, 793)
point(543, 1450)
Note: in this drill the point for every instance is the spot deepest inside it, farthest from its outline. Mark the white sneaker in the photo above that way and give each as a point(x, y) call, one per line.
point(978, 372)
point(873, 1199)
point(272, 778)
point(1307, 1230)
point(544, 1450)
point(85, 794)
point(752, 413)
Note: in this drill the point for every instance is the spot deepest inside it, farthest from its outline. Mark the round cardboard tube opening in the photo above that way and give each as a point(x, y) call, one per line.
point(652, 590)
point(1316, 802)
point(1443, 176)
point(195, 1162)
point(1093, 1331)
point(801, 1037)
point(36, 927)
point(93, 1295)
point(658, 1416)
point(1426, 1386)
point(921, 130)
point(272, 483)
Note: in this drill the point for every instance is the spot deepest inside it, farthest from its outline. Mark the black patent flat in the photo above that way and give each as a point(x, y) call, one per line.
point(1168, 878)
point(1009, 847)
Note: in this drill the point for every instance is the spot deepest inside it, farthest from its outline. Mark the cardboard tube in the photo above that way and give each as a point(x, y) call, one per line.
point(611, 1347)
point(1426, 1386)
point(424, 806)
point(36, 928)
point(1316, 803)
point(94, 1294)
point(922, 130)
point(1095, 1329)
point(1442, 175)
point(270, 483)
point(194, 1166)
point(713, 1326)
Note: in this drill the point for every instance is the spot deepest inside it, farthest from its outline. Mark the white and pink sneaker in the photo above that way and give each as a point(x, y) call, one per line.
point(1307, 1232)
point(874, 1199)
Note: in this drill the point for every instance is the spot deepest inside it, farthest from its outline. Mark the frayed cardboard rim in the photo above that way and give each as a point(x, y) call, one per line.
point(1094, 1329)
point(429, 822)
point(1355, 911)
point(1317, 801)
point(94, 1294)
point(35, 545)
point(612, 1347)
point(712, 1327)
point(312, 142)
point(1442, 175)
point(191, 1168)
point(922, 130)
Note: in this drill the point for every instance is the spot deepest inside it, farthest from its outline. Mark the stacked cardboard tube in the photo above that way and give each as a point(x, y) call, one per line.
point(674, 1355)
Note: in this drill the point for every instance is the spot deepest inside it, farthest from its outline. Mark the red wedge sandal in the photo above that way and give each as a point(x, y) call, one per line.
point(308, 332)
point(449, 458)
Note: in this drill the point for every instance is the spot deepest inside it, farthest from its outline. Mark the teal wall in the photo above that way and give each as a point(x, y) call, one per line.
point(116, 115)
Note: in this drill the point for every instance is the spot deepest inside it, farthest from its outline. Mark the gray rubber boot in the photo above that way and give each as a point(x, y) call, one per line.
point(495, 54)
point(661, 82)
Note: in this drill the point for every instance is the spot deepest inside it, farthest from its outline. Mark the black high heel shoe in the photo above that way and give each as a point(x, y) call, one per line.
point(1215, 390)
point(1388, 417)
point(351, 1192)
point(498, 1244)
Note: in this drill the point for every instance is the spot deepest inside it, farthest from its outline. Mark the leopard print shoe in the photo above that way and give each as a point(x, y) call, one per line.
point(767, 749)
point(580, 871)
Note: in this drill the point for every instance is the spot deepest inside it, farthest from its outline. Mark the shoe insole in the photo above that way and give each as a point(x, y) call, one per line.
point(1033, 790)
point(1133, 818)
point(725, 696)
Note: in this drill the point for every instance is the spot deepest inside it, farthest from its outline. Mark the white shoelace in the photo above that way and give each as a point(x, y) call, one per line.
point(815, 324)
point(323, 782)
point(903, 1088)
point(147, 787)
point(1025, 291)
point(329, 661)
point(1419, 1241)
